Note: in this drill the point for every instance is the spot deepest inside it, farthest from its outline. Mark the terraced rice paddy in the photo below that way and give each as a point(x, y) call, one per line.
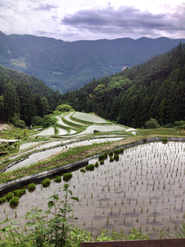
point(144, 189)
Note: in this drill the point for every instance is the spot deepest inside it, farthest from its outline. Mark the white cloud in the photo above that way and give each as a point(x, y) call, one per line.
point(69, 20)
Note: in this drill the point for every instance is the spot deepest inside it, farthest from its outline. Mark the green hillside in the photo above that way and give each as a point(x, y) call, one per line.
point(69, 65)
point(154, 89)
point(23, 97)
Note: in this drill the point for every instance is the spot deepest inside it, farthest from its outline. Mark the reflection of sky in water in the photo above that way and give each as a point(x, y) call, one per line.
point(123, 191)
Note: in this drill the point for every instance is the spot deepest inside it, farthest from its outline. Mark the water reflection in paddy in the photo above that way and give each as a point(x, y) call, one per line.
point(145, 188)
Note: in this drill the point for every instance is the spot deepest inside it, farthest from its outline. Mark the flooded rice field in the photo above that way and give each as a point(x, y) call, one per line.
point(144, 189)
point(36, 157)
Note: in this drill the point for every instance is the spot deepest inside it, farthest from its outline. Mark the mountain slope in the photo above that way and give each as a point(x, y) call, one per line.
point(69, 65)
point(154, 89)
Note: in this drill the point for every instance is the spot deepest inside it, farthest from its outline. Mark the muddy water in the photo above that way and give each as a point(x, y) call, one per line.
point(145, 188)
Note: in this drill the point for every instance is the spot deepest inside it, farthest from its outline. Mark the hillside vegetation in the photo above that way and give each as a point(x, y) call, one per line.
point(23, 97)
point(154, 89)
point(69, 65)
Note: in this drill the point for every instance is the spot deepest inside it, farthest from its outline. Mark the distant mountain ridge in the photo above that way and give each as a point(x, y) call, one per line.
point(69, 65)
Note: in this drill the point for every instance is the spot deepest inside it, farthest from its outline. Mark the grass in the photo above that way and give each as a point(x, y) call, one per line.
point(31, 187)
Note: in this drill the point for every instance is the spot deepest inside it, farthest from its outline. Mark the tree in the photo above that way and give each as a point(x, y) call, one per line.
point(11, 100)
point(152, 124)
point(27, 105)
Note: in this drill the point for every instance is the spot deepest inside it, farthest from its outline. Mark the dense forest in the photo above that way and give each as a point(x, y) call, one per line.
point(154, 89)
point(22, 97)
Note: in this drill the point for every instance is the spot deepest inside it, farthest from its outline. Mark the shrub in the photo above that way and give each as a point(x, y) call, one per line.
point(37, 121)
point(64, 108)
point(14, 202)
point(116, 151)
point(9, 196)
point(67, 176)
point(48, 120)
point(101, 157)
point(101, 162)
point(20, 124)
point(46, 182)
point(152, 124)
point(19, 193)
point(90, 167)
point(2, 200)
point(164, 140)
point(96, 164)
point(82, 170)
point(111, 153)
point(31, 187)
point(105, 155)
point(57, 180)
point(121, 150)
point(116, 157)
point(111, 159)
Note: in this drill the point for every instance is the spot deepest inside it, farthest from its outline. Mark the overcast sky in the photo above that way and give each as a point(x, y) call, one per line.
point(72, 20)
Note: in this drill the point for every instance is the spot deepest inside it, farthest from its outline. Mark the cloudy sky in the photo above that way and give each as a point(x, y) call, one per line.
point(72, 20)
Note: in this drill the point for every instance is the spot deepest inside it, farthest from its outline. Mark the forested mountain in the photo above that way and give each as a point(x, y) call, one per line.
point(69, 65)
point(23, 97)
point(155, 89)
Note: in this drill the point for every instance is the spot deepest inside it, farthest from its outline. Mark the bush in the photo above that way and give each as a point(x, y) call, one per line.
point(164, 140)
point(111, 153)
point(67, 176)
point(152, 124)
point(101, 157)
point(31, 187)
point(57, 180)
point(14, 202)
point(116, 157)
point(46, 182)
point(101, 162)
point(96, 164)
point(37, 121)
point(2, 200)
point(111, 159)
point(116, 151)
point(20, 124)
point(48, 120)
point(19, 193)
point(121, 150)
point(64, 108)
point(82, 170)
point(9, 196)
point(90, 167)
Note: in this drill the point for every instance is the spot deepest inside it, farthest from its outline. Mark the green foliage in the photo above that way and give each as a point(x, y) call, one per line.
point(111, 159)
point(57, 180)
point(111, 153)
point(31, 187)
point(96, 164)
point(154, 90)
point(116, 157)
point(82, 170)
point(164, 140)
point(9, 196)
point(67, 176)
point(152, 124)
point(49, 120)
point(2, 200)
point(19, 193)
point(37, 121)
point(46, 182)
point(14, 202)
point(90, 167)
point(101, 162)
point(63, 108)
point(1, 100)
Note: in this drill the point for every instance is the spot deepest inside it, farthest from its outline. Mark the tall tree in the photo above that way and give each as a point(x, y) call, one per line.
point(27, 106)
point(11, 100)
